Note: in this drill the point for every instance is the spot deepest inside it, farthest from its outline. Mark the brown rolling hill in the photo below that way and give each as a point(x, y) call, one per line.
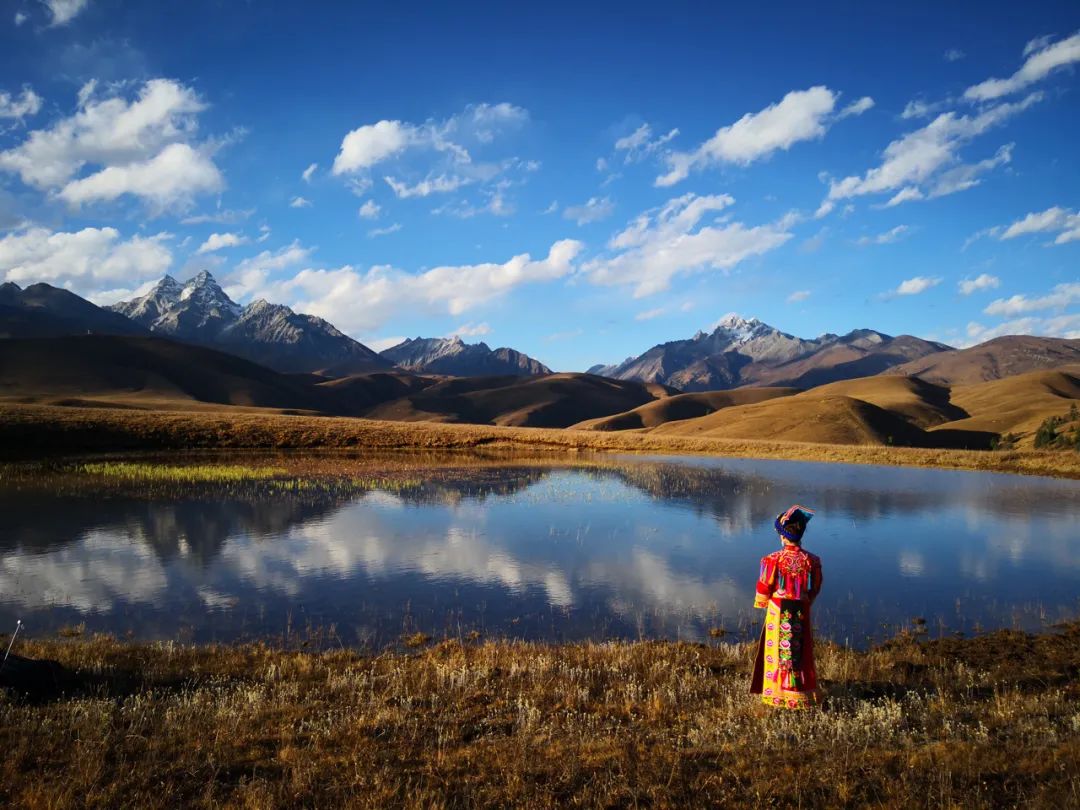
point(143, 372)
point(550, 400)
point(682, 406)
point(1017, 404)
point(993, 360)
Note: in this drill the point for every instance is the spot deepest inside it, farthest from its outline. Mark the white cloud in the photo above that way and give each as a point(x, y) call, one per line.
point(856, 108)
point(649, 314)
point(170, 179)
point(143, 146)
point(966, 175)
point(1063, 220)
point(369, 210)
point(264, 233)
point(601, 164)
point(1063, 295)
point(921, 156)
point(20, 18)
point(905, 195)
point(594, 210)
point(87, 262)
point(219, 241)
point(1064, 326)
point(663, 243)
point(223, 216)
point(984, 281)
point(300, 202)
point(890, 236)
point(386, 291)
point(64, 11)
point(800, 116)
point(19, 107)
point(307, 174)
point(1042, 60)
point(471, 330)
point(441, 184)
point(640, 143)
point(551, 209)
point(798, 295)
point(253, 274)
point(383, 343)
point(389, 229)
point(824, 209)
point(914, 286)
point(917, 108)
point(954, 55)
point(371, 144)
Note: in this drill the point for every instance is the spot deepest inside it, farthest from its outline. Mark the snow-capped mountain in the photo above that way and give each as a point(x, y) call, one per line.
point(742, 351)
point(455, 357)
point(273, 335)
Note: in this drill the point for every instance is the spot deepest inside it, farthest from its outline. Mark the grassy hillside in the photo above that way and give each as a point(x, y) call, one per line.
point(976, 723)
point(682, 406)
point(553, 400)
point(993, 360)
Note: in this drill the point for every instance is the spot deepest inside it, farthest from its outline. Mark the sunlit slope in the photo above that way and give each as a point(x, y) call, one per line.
point(682, 406)
point(142, 372)
point(1017, 404)
point(552, 400)
point(993, 360)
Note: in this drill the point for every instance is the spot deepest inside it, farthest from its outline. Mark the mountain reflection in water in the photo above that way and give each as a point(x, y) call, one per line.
point(614, 548)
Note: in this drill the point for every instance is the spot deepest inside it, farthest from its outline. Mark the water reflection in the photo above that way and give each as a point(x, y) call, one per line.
point(617, 548)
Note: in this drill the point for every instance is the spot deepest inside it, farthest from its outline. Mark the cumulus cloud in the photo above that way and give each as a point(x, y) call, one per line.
point(649, 314)
point(983, 281)
point(369, 210)
point(928, 156)
point(1042, 59)
point(385, 291)
point(954, 55)
point(143, 146)
point(856, 108)
point(594, 210)
point(253, 274)
point(64, 11)
point(1064, 326)
point(371, 144)
point(219, 241)
point(88, 262)
point(171, 178)
point(905, 195)
point(307, 174)
point(663, 243)
point(19, 107)
point(891, 235)
point(300, 202)
point(1064, 221)
point(1060, 297)
point(801, 115)
point(798, 295)
point(914, 286)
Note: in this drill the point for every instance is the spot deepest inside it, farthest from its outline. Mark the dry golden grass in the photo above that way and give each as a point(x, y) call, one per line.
point(682, 406)
point(988, 722)
point(30, 431)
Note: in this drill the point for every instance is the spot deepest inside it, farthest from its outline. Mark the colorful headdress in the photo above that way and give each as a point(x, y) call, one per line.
point(791, 524)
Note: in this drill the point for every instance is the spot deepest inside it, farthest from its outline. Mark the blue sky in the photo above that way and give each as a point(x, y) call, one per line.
point(577, 181)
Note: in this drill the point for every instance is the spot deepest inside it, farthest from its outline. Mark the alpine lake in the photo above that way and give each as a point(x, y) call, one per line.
point(367, 551)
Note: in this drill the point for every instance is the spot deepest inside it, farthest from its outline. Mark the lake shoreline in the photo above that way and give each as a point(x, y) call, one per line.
point(30, 431)
point(988, 721)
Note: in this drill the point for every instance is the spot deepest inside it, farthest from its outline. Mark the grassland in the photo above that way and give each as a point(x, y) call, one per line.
point(32, 431)
point(984, 722)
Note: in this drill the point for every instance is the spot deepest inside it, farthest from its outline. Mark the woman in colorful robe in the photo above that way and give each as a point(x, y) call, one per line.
point(789, 581)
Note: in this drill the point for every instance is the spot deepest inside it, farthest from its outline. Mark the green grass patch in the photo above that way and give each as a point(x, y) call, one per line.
point(195, 473)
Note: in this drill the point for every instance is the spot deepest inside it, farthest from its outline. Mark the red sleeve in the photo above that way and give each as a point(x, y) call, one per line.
point(766, 583)
point(815, 577)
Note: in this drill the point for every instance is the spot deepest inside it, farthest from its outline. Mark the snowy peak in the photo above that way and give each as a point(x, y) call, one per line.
point(453, 356)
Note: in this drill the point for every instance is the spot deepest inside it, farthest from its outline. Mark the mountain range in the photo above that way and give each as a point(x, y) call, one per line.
point(737, 353)
point(200, 312)
point(740, 352)
point(454, 357)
